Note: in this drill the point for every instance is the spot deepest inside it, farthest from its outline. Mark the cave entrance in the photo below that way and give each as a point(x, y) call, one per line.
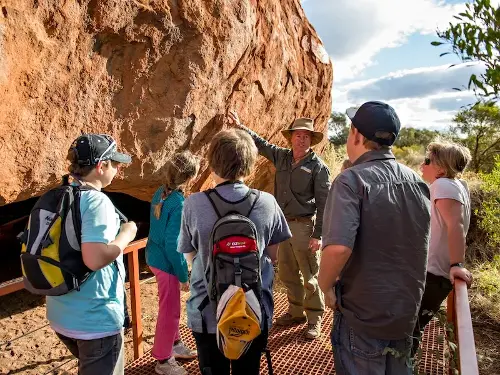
point(14, 217)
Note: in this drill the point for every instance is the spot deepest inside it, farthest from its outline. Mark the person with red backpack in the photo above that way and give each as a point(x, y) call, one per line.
point(230, 235)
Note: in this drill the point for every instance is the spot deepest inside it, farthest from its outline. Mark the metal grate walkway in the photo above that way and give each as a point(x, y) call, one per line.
point(293, 355)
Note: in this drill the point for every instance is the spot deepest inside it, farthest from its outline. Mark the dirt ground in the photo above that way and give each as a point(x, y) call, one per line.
point(28, 345)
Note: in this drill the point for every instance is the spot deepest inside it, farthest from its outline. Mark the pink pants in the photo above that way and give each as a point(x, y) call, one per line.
point(169, 313)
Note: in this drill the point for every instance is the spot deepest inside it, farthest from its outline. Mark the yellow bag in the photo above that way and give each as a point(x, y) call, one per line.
point(239, 319)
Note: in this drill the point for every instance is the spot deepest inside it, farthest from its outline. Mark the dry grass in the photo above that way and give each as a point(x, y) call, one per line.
point(333, 158)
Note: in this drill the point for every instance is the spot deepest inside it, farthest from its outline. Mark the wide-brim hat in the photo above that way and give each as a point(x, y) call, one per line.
point(303, 123)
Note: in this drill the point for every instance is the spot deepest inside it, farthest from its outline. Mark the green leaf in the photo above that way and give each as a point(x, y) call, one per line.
point(466, 15)
point(453, 346)
point(472, 80)
point(436, 43)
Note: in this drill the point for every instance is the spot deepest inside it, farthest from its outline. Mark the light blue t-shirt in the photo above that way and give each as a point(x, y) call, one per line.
point(96, 310)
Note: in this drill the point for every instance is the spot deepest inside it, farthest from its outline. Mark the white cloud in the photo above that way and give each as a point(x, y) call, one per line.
point(413, 83)
point(422, 97)
point(355, 31)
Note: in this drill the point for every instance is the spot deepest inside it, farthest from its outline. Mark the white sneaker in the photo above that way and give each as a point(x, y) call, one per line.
point(181, 351)
point(170, 367)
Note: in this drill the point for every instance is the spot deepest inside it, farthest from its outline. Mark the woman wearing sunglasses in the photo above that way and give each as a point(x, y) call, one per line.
point(450, 218)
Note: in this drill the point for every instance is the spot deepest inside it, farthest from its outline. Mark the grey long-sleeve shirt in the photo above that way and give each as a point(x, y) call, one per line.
point(301, 189)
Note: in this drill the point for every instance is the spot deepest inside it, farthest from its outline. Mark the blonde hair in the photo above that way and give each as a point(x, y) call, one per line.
point(232, 154)
point(176, 172)
point(450, 156)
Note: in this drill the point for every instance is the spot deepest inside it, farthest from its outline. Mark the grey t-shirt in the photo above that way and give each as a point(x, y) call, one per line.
point(198, 218)
point(381, 210)
point(445, 188)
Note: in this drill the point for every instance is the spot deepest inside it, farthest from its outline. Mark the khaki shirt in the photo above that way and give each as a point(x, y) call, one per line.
point(300, 189)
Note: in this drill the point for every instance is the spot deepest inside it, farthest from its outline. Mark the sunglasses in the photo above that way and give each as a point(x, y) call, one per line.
point(427, 161)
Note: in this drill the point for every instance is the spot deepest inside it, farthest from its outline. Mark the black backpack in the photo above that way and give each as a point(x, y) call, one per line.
point(234, 258)
point(51, 256)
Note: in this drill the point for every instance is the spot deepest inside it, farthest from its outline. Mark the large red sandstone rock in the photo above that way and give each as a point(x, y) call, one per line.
point(158, 75)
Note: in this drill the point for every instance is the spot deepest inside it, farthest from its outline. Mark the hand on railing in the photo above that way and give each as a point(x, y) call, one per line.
point(461, 273)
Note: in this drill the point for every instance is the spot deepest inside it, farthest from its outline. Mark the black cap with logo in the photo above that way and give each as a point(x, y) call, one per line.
point(93, 148)
point(374, 118)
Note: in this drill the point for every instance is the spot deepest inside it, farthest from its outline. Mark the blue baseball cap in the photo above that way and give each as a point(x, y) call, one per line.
point(93, 148)
point(373, 118)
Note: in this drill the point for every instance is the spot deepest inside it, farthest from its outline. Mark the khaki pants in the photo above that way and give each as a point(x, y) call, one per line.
point(295, 258)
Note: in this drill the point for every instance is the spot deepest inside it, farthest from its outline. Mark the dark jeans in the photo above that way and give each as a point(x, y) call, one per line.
point(213, 362)
point(99, 356)
point(357, 354)
point(436, 290)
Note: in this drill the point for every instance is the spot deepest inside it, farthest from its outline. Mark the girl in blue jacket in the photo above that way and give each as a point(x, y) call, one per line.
point(169, 266)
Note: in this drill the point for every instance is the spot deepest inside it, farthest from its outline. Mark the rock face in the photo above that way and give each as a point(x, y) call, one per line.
point(158, 75)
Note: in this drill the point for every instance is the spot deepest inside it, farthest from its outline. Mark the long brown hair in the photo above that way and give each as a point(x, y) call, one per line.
point(177, 171)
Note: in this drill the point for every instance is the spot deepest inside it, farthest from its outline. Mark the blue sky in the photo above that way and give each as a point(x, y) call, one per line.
point(381, 50)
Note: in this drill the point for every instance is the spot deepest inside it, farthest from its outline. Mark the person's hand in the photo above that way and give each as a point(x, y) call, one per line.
point(129, 228)
point(461, 273)
point(314, 244)
point(185, 286)
point(331, 299)
point(234, 119)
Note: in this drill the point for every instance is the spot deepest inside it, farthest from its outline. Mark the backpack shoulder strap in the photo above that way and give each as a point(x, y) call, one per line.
point(222, 206)
point(79, 188)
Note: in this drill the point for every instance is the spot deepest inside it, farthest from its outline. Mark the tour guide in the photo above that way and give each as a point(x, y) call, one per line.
point(302, 182)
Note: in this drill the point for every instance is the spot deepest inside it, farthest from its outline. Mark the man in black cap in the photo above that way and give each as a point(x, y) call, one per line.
point(375, 238)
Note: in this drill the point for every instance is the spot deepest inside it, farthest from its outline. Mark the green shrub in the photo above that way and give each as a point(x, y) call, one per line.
point(489, 212)
point(411, 156)
point(485, 293)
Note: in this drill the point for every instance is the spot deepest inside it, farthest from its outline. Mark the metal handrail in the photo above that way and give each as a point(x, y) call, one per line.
point(459, 313)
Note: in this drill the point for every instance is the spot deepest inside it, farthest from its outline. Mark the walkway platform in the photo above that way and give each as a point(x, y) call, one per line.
point(293, 355)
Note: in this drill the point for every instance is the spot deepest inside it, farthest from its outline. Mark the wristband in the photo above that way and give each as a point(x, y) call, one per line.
point(461, 265)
